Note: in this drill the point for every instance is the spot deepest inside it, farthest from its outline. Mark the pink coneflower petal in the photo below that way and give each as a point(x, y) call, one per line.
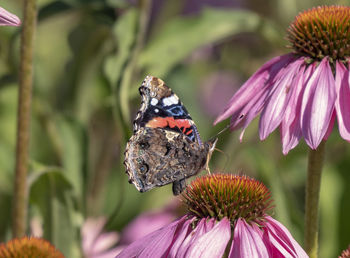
point(105, 241)
point(180, 237)
point(342, 107)
point(90, 232)
point(213, 243)
point(8, 19)
point(290, 126)
point(255, 85)
point(145, 224)
point(154, 244)
point(247, 242)
point(330, 127)
point(202, 227)
point(281, 241)
point(318, 104)
point(278, 100)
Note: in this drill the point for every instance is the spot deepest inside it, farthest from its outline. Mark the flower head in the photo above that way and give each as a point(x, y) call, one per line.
point(301, 92)
point(8, 19)
point(29, 247)
point(227, 214)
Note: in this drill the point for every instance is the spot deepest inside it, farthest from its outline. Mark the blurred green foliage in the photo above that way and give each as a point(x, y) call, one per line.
point(90, 58)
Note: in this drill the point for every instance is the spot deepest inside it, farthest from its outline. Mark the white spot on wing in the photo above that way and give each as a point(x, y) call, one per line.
point(154, 101)
point(170, 100)
point(156, 110)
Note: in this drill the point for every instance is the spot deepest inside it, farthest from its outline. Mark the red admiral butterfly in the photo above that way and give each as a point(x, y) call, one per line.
point(165, 147)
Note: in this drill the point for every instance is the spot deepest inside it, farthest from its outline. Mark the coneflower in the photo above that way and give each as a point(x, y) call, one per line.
point(303, 91)
point(227, 215)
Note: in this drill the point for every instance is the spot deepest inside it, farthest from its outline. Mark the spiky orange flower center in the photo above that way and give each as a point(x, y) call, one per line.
point(29, 247)
point(226, 195)
point(320, 32)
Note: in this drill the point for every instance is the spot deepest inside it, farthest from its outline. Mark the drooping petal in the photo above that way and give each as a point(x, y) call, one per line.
point(247, 242)
point(213, 243)
point(8, 19)
point(105, 241)
point(278, 100)
point(154, 244)
point(342, 107)
point(318, 104)
point(290, 126)
point(90, 231)
point(255, 85)
point(180, 236)
point(330, 126)
point(145, 224)
point(202, 227)
point(282, 242)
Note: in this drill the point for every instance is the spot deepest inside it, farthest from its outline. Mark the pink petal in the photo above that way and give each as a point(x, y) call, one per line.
point(145, 224)
point(105, 241)
point(182, 233)
point(330, 127)
point(255, 85)
point(154, 244)
point(202, 227)
point(213, 243)
point(282, 242)
point(290, 126)
point(318, 104)
point(342, 107)
point(90, 232)
point(278, 100)
point(8, 19)
point(247, 242)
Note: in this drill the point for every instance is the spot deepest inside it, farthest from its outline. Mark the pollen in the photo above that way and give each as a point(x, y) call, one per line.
point(227, 195)
point(321, 32)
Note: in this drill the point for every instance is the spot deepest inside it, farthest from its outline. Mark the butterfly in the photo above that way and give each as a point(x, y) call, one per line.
point(165, 146)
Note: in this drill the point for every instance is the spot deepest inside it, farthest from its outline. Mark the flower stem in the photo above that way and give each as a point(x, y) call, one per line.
point(131, 66)
point(23, 120)
point(315, 164)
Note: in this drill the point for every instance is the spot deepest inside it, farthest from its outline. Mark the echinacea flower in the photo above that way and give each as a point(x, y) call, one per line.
point(29, 247)
point(301, 92)
point(8, 19)
point(227, 215)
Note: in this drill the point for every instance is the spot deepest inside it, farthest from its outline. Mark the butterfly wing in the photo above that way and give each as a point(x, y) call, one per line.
point(155, 157)
point(165, 147)
point(162, 108)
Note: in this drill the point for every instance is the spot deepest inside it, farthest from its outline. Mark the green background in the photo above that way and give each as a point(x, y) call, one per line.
point(89, 63)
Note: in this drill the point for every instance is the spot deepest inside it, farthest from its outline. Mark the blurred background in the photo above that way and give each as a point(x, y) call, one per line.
point(90, 58)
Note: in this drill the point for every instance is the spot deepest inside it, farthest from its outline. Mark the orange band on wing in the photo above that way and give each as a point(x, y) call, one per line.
point(161, 122)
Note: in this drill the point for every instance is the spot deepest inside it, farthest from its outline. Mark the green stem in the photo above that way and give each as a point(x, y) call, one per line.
point(23, 120)
point(129, 72)
point(313, 184)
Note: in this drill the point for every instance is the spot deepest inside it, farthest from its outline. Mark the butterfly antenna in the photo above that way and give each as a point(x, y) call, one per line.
point(225, 154)
point(223, 130)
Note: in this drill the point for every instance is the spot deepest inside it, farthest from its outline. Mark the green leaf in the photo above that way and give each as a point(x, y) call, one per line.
point(73, 151)
point(124, 32)
point(52, 193)
point(181, 36)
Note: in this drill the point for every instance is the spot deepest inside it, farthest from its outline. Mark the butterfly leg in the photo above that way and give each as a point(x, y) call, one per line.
point(179, 186)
